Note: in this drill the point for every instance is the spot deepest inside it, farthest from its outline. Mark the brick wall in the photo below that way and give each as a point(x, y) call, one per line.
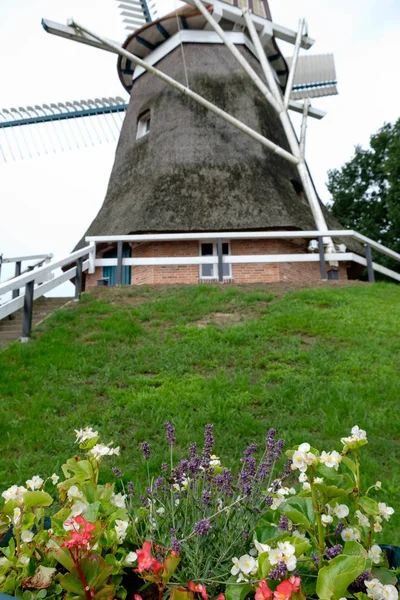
point(241, 273)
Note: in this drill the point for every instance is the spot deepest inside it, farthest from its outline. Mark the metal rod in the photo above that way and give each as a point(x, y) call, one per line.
point(28, 310)
point(188, 92)
point(304, 129)
point(119, 262)
point(220, 261)
point(370, 267)
point(288, 128)
point(322, 264)
point(293, 66)
point(15, 293)
point(78, 279)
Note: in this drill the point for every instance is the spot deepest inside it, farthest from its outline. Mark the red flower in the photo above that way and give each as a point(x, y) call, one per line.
point(137, 597)
point(146, 562)
point(199, 588)
point(283, 591)
point(296, 582)
point(220, 597)
point(80, 536)
point(262, 591)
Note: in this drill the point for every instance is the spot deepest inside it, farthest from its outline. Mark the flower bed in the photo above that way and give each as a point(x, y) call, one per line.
point(199, 530)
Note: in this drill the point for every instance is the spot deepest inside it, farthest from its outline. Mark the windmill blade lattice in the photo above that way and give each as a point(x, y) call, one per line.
point(136, 13)
point(31, 131)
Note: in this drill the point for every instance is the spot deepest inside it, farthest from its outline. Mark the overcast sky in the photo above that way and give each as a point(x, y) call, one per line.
point(48, 202)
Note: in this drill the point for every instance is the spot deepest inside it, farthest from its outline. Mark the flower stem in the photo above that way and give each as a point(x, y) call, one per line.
point(321, 536)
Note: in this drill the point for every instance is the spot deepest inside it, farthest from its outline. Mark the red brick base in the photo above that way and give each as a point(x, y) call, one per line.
point(241, 273)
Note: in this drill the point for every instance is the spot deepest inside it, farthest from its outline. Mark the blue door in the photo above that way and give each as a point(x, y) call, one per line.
point(110, 273)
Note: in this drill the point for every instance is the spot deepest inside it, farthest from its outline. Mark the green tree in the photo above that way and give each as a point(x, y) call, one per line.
point(366, 190)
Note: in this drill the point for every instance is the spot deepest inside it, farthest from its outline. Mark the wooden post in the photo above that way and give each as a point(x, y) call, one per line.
point(28, 310)
point(322, 264)
point(15, 293)
point(368, 256)
point(78, 280)
point(119, 262)
point(220, 261)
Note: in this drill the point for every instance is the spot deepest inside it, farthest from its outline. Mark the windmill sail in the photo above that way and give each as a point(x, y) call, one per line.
point(37, 130)
point(315, 76)
point(136, 13)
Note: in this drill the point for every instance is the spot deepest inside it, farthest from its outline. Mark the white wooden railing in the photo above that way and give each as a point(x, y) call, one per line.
point(42, 279)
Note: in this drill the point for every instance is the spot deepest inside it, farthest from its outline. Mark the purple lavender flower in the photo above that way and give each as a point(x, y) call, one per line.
point(245, 535)
point(334, 551)
point(249, 452)
point(170, 434)
point(339, 529)
point(269, 500)
point(194, 465)
point(270, 441)
point(131, 491)
point(361, 579)
point(146, 450)
point(192, 450)
point(208, 446)
point(164, 468)
point(279, 447)
point(315, 557)
point(206, 497)
point(279, 572)
point(158, 483)
point(175, 545)
point(284, 523)
point(117, 472)
point(144, 501)
point(202, 527)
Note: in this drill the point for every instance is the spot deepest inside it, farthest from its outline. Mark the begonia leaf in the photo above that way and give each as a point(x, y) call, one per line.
point(237, 591)
point(334, 579)
point(91, 512)
point(350, 464)
point(264, 565)
point(385, 576)
point(369, 506)
point(301, 545)
point(330, 491)
point(37, 498)
point(170, 565)
point(180, 593)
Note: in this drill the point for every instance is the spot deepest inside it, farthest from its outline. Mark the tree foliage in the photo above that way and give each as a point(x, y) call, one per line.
point(366, 190)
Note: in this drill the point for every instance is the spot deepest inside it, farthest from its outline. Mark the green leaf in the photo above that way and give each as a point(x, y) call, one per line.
point(350, 464)
point(362, 596)
point(170, 565)
point(41, 593)
point(334, 579)
point(299, 510)
point(369, 506)
point(237, 591)
point(266, 533)
point(330, 491)
point(385, 576)
point(264, 565)
point(73, 584)
point(301, 546)
point(37, 498)
point(92, 511)
point(180, 593)
point(63, 556)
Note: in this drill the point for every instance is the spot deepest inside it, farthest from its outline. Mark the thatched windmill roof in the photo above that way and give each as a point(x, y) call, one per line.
point(194, 172)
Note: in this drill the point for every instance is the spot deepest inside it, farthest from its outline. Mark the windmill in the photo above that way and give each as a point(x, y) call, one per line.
point(208, 144)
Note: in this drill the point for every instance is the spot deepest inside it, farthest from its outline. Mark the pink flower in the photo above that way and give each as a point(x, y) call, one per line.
point(220, 597)
point(199, 588)
point(146, 562)
point(137, 597)
point(80, 536)
point(283, 591)
point(296, 582)
point(262, 591)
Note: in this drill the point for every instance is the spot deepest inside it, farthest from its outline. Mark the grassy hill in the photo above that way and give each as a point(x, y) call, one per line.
point(311, 363)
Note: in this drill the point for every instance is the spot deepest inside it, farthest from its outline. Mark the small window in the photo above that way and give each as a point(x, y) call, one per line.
point(211, 271)
point(143, 125)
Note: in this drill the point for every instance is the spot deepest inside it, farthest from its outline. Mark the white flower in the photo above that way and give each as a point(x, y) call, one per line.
point(296, 533)
point(27, 536)
point(378, 485)
point(130, 558)
point(242, 577)
point(35, 483)
point(374, 589)
point(385, 511)
point(350, 534)
point(341, 511)
point(277, 501)
point(375, 554)
point(235, 569)
point(331, 459)
point(246, 563)
point(52, 545)
point(390, 592)
point(78, 508)
point(74, 493)
point(307, 486)
point(215, 461)
point(160, 511)
point(275, 556)
point(287, 548)
point(54, 479)
point(120, 528)
point(15, 492)
point(290, 561)
point(24, 560)
point(100, 450)
point(319, 480)
point(302, 478)
point(17, 517)
point(261, 547)
point(85, 434)
point(362, 519)
point(302, 458)
point(357, 435)
point(377, 526)
point(326, 519)
point(118, 500)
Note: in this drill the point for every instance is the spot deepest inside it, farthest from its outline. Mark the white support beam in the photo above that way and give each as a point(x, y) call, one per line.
point(385, 271)
point(234, 14)
point(293, 66)
point(26, 258)
point(298, 107)
point(303, 131)
point(191, 94)
point(69, 32)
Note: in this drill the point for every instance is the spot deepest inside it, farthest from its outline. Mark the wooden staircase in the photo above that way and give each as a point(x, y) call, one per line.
point(11, 327)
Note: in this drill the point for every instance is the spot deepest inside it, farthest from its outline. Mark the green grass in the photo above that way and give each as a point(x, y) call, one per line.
point(311, 363)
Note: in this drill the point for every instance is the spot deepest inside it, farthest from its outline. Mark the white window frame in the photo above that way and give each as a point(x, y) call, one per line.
point(214, 276)
point(143, 125)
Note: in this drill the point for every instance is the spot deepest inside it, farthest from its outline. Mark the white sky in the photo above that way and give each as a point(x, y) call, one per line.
point(47, 203)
